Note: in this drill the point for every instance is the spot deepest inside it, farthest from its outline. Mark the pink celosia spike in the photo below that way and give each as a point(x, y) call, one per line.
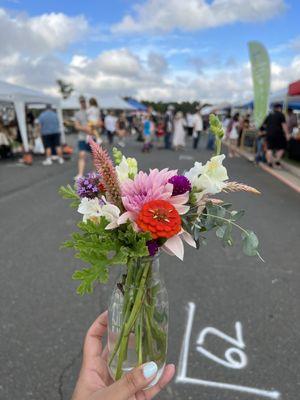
point(108, 173)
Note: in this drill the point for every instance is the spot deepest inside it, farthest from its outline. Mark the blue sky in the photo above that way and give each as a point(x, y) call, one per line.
point(185, 49)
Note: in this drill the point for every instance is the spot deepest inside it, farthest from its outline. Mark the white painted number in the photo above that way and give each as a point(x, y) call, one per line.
point(182, 374)
point(230, 361)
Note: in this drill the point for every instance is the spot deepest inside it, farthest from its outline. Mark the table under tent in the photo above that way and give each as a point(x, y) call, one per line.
point(21, 97)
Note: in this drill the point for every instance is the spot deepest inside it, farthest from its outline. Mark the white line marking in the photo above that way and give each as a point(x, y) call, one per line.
point(184, 354)
point(183, 157)
point(220, 385)
point(183, 363)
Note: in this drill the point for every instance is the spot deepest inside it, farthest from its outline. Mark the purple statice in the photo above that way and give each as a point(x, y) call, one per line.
point(89, 185)
point(181, 184)
point(152, 247)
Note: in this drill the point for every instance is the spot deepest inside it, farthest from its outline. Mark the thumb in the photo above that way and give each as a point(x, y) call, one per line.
point(135, 380)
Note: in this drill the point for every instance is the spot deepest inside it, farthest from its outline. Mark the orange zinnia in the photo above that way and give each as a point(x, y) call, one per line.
point(160, 218)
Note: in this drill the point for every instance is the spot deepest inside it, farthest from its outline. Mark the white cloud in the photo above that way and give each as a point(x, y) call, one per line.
point(39, 35)
point(189, 15)
point(29, 56)
point(295, 44)
point(157, 63)
point(119, 62)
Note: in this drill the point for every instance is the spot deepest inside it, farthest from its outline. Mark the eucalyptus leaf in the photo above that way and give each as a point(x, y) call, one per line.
point(250, 243)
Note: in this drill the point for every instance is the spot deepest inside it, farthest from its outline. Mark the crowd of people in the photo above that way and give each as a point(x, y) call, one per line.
point(168, 130)
point(154, 130)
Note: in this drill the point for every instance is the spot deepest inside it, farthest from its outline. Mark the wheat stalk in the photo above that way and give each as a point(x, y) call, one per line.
point(239, 187)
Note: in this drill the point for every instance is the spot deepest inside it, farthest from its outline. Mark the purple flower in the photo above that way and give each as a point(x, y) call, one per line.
point(89, 185)
point(181, 184)
point(152, 247)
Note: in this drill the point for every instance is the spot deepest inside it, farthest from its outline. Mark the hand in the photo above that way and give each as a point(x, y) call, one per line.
point(95, 383)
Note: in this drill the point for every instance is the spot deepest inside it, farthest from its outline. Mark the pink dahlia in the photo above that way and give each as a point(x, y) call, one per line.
point(147, 187)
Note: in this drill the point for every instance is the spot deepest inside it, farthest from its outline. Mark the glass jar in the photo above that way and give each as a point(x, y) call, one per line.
point(138, 318)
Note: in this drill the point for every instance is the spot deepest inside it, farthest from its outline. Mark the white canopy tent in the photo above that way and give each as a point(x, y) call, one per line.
point(21, 96)
point(215, 108)
point(105, 102)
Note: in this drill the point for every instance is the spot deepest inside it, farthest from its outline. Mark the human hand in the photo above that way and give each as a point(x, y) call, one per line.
point(95, 383)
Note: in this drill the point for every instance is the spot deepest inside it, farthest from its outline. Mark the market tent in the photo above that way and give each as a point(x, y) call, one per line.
point(136, 104)
point(105, 102)
point(20, 97)
point(294, 88)
point(284, 97)
point(217, 108)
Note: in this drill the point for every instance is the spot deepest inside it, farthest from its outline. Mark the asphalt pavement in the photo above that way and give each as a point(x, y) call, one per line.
point(234, 321)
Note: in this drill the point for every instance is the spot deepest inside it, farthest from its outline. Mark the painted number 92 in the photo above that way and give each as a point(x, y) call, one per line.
point(234, 357)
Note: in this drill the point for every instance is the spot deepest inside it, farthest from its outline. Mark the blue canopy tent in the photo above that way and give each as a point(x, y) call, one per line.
point(136, 104)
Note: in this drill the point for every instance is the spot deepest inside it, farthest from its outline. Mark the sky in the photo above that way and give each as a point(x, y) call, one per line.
point(161, 50)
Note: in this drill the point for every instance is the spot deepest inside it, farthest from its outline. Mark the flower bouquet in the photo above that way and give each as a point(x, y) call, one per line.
point(129, 217)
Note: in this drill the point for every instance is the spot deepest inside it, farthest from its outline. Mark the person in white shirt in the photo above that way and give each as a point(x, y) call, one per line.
point(190, 123)
point(110, 123)
point(198, 128)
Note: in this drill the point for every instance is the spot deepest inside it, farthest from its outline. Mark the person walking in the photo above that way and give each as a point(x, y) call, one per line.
point(233, 135)
point(169, 117)
point(197, 128)
point(292, 122)
point(48, 125)
point(147, 133)
point(110, 124)
point(190, 123)
point(94, 118)
point(179, 131)
point(83, 128)
point(277, 135)
point(121, 128)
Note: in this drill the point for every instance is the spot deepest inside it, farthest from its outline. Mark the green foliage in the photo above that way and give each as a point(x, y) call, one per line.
point(117, 155)
point(67, 192)
point(217, 129)
point(102, 248)
point(216, 126)
point(223, 220)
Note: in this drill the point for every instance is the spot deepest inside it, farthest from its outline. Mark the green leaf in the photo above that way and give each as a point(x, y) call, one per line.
point(220, 232)
point(250, 243)
point(67, 192)
point(236, 215)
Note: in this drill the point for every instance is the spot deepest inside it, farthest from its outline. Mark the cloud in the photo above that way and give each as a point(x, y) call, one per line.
point(157, 63)
point(188, 15)
point(148, 80)
point(39, 35)
point(295, 44)
point(30, 55)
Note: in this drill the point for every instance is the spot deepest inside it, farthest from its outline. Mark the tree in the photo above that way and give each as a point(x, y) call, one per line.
point(65, 89)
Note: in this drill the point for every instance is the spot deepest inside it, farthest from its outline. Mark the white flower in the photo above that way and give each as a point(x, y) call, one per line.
point(208, 178)
point(93, 208)
point(90, 208)
point(111, 213)
point(126, 169)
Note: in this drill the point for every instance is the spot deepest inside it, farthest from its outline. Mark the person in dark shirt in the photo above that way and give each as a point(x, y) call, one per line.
point(277, 135)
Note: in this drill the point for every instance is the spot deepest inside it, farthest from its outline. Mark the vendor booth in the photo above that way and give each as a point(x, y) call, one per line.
point(20, 97)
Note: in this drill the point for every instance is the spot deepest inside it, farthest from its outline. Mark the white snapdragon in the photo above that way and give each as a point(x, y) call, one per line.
point(126, 169)
point(94, 208)
point(209, 178)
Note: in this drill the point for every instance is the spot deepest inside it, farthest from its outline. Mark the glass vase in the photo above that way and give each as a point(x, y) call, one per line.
point(138, 318)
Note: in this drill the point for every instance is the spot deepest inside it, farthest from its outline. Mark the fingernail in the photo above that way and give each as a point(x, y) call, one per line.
point(149, 369)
